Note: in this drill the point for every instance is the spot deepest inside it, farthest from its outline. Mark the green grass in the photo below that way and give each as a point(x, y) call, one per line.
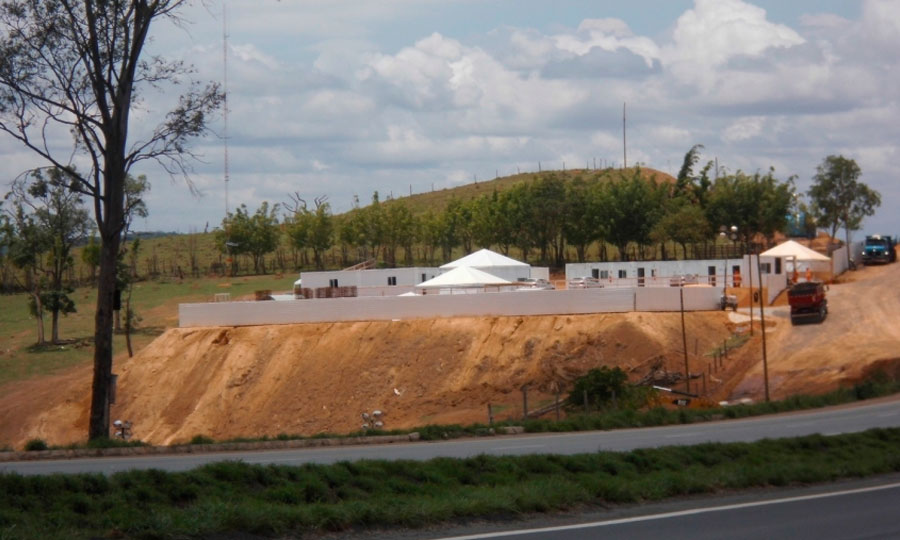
point(155, 301)
point(232, 497)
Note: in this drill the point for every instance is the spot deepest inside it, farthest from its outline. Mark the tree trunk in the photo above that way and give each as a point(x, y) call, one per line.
point(54, 326)
point(103, 333)
point(39, 317)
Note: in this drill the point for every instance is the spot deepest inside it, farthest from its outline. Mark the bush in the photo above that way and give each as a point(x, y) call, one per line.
point(604, 386)
point(201, 439)
point(35, 445)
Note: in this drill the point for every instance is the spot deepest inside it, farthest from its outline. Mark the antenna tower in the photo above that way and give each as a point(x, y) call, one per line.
point(225, 98)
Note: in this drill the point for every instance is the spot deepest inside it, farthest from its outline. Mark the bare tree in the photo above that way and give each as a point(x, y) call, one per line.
point(75, 66)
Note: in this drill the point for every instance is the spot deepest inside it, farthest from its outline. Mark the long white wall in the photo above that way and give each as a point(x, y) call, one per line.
point(536, 302)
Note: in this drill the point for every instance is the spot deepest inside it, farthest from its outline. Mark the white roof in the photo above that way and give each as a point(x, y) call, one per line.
point(463, 276)
point(795, 249)
point(484, 258)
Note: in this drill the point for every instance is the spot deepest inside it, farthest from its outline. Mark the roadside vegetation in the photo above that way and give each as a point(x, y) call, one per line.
point(272, 501)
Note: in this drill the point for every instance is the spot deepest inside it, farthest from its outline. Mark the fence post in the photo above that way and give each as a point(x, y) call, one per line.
point(524, 401)
point(725, 347)
point(615, 401)
point(490, 415)
point(704, 384)
point(557, 405)
point(587, 408)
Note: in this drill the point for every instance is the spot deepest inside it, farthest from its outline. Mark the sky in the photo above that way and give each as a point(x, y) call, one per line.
point(341, 98)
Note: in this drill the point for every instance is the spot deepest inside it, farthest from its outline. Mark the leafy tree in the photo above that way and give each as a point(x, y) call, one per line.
point(604, 385)
point(132, 319)
point(580, 224)
point(90, 255)
point(59, 221)
point(839, 199)
point(548, 210)
point(400, 229)
point(253, 235)
point(76, 66)
point(27, 243)
point(632, 207)
point(312, 229)
point(684, 224)
point(757, 204)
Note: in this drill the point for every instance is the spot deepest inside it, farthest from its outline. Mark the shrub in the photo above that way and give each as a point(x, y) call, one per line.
point(35, 445)
point(201, 439)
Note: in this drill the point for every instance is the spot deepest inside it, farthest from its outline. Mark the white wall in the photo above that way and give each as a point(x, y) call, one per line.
point(377, 277)
point(534, 302)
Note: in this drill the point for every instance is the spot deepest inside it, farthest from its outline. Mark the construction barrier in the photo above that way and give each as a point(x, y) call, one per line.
point(374, 308)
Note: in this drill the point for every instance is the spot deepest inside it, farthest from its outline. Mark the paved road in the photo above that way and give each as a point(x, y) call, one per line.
point(882, 413)
point(867, 510)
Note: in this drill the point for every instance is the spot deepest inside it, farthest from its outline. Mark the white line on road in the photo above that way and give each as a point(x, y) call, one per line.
point(681, 435)
point(519, 447)
point(681, 513)
point(887, 414)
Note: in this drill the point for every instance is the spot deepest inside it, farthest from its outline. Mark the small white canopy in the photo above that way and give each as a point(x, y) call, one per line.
point(484, 258)
point(463, 276)
point(794, 249)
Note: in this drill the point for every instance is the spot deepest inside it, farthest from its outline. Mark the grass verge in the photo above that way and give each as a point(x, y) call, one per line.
point(232, 498)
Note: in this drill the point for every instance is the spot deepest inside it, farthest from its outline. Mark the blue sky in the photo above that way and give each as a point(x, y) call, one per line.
point(341, 98)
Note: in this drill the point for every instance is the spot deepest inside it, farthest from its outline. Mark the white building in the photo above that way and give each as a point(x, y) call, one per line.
point(375, 282)
point(498, 265)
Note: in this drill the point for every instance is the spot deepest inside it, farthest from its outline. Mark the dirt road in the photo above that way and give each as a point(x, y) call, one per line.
point(861, 333)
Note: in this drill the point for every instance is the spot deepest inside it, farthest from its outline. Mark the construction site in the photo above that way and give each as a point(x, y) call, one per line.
point(305, 379)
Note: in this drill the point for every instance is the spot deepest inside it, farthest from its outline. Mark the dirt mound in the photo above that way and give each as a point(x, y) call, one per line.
point(312, 378)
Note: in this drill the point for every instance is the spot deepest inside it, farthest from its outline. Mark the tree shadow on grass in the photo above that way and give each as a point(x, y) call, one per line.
point(61, 345)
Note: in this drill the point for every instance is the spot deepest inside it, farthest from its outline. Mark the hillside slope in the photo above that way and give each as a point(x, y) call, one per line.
point(312, 378)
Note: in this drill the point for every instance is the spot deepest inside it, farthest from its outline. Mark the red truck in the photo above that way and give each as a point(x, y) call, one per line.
point(808, 302)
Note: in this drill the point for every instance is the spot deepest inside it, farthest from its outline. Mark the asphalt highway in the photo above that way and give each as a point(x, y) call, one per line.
point(831, 512)
point(830, 421)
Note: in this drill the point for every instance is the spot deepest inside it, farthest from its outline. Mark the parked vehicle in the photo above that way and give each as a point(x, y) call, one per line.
point(535, 284)
point(808, 302)
point(879, 248)
point(584, 283)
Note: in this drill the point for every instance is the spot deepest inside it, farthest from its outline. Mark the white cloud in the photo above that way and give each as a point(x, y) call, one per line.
point(608, 35)
point(716, 31)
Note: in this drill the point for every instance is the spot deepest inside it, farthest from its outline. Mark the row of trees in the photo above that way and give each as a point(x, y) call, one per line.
point(623, 213)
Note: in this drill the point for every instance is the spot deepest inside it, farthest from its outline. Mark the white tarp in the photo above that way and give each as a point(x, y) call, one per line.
point(484, 258)
point(795, 249)
point(463, 276)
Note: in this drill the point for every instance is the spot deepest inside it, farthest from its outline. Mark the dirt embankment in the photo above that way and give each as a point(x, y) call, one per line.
point(312, 378)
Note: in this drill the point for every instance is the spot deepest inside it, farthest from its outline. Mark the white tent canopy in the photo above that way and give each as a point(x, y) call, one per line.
point(484, 258)
point(797, 250)
point(463, 276)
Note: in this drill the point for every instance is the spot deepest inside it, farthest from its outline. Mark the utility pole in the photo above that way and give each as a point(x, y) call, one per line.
point(624, 140)
point(762, 322)
point(687, 371)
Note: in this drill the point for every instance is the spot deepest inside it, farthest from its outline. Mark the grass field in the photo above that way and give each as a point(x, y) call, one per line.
point(155, 301)
point(232, 500)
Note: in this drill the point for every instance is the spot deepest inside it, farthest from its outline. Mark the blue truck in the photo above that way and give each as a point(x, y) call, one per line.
point(879, 249)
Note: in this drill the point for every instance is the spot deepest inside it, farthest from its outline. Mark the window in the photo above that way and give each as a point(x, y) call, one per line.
point(604, 274)
point(778, 265)
point(595, 273)
point(623, 274)
point(653, 272)
point(711, 272)
point(423, 277)
point(392, 281)
point(333, 283)
point(766, 268)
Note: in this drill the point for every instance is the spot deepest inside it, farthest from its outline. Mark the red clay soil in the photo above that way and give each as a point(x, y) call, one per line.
point(312, 378)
